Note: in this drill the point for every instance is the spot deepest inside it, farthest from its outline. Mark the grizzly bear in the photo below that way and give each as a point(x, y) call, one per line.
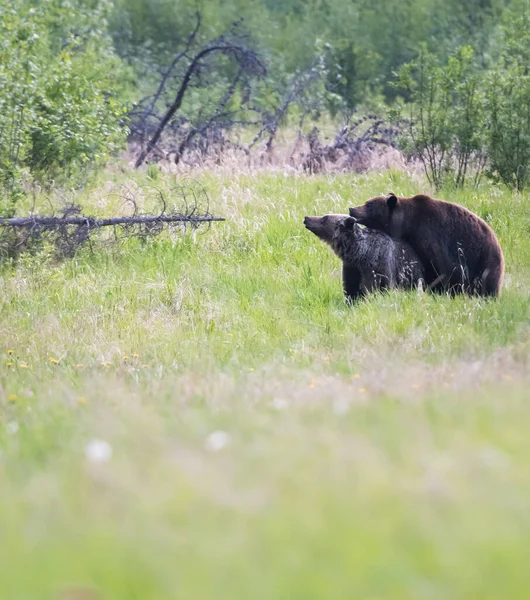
point(458, 250)
point(371, 260)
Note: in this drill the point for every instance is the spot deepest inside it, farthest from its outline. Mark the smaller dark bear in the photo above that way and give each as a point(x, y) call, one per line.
point(371, 260)
point(458, 250)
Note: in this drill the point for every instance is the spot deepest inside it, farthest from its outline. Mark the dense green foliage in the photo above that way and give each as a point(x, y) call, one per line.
point(267, 440)
point(67, 69)
point(468, 93)
point(445, 115)
point(508, 94)
point(463, 117)
point(58, 84)
point(369, 39)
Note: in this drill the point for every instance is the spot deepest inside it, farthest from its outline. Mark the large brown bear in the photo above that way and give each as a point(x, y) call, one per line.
point(371, 260)
point(458, 250)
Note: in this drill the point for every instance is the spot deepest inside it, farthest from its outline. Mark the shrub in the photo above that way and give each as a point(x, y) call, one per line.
point(463, 120)
point(508, 108)
point(57, 106)
point(445, 116)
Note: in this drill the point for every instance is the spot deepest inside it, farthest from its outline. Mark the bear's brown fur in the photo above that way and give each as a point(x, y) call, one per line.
point(458, 250)
point(371, 260)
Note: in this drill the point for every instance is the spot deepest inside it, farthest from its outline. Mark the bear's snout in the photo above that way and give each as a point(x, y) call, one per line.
point(309, 222)
point(315, 225)
point(363, 217)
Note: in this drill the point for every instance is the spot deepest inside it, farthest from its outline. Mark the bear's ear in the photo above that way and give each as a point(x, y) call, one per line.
point(349, 223)
point(391, 201)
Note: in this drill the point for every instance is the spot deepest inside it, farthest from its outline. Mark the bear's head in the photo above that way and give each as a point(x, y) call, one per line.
point(329, 227)
point(377, 213)
point(345, 236)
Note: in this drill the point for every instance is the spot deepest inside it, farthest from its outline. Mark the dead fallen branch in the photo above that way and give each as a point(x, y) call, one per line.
point(177, 209)
point(93, 223)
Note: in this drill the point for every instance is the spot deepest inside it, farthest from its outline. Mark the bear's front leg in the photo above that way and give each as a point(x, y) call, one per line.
point(351, 283)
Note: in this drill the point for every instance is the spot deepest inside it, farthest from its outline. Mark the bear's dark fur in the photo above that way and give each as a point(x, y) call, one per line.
point(458, 250)
point(371, 260)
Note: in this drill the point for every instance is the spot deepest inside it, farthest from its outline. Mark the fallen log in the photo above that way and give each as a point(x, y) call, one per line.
point(93, 223)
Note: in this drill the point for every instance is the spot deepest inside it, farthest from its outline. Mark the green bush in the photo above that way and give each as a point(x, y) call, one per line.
point(76, 123)
point(370, 40)
point(58, 110)
point(445, 116)
point(464, 119)
point(508, 105)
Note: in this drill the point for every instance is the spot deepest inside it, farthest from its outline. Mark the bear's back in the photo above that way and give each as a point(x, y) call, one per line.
point(455, 246)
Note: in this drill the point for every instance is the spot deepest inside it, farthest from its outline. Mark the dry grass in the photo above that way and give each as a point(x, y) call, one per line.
point(288, 156)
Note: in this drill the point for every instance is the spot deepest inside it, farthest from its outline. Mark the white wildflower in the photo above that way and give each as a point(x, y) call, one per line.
point(340, 407)
point(217, 440)
point(12, 427)
point(279, 404)
point(98, 451)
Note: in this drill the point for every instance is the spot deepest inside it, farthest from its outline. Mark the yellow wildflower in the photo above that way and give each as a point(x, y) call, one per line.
point(10, 351)
point(54, 361)
point(12, 398)
point(80, 400)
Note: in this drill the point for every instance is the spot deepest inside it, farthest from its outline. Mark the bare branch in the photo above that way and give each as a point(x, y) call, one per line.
point(182, 207)
point(218, 112)
point(93, 223)
point(165, 77)
point(242, 54)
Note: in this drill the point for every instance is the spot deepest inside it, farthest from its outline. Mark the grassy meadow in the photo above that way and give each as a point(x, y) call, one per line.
point(201, 416)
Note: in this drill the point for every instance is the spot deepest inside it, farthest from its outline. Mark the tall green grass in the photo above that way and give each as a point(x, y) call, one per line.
point(379, 451)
